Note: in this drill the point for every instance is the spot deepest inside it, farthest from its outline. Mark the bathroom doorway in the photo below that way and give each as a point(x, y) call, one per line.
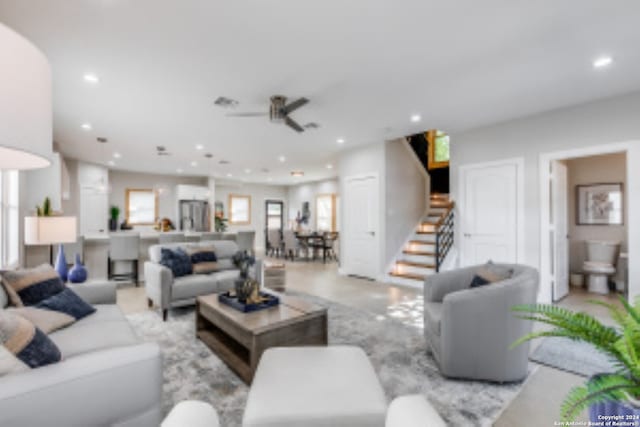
point(586, 219)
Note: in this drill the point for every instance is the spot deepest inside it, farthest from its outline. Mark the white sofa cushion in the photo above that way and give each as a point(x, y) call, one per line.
point(104, 329)
point(315, 386)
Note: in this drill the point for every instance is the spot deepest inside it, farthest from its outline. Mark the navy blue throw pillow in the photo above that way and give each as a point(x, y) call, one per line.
point(203, 256)
point(478, 281)
point(67, 302)
point(177, 261)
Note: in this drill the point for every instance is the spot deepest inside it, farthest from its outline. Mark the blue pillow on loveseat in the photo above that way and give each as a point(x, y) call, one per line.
point(178, 261)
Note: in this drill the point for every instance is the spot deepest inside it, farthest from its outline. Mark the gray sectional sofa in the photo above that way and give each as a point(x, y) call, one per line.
point(470, 330)
point(107, 377)
point(165, 291)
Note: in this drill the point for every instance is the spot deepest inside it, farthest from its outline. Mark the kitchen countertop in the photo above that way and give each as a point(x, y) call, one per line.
point(144, 235)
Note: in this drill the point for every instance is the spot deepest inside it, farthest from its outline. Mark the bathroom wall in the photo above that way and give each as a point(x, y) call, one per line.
point(610, 168)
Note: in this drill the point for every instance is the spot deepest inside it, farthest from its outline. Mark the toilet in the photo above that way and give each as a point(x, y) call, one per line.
point(602, 258)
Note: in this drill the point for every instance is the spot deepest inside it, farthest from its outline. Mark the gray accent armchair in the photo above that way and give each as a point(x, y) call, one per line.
point(469, 330)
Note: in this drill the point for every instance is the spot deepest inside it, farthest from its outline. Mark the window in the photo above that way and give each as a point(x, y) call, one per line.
point(239, 209)
point(9, 219)
point(141, 206)
point(274, 214)
point(438, 149)
point(326, 212)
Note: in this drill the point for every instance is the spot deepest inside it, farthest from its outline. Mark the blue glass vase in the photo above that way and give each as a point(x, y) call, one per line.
point(61, 264)
point(78, 273)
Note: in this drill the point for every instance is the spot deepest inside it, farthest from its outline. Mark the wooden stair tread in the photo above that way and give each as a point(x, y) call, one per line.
point(421, 242)
point(415, 264)
point(408, 275)
point(425, 232)
point(420, 253)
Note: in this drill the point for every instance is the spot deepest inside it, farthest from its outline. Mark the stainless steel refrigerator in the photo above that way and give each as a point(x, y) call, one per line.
point(194, 215)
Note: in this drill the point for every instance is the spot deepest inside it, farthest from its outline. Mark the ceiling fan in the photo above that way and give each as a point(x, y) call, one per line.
point(278, 112)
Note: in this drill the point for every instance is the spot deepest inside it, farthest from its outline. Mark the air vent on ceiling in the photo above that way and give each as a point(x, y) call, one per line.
point(312, 125)
point(161, 150)
point(102, 140)
point(208, 156)
point(224, 162)
point(225, 102)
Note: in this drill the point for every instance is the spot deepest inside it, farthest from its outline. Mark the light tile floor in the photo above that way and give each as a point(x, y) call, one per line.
point(536, 405)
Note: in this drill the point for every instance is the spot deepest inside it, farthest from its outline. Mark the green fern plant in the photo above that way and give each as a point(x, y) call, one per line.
point(621, 343)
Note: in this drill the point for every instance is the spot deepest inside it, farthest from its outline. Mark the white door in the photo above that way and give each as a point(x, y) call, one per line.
point(489, 214)
point(559, 230)
point(360, 228)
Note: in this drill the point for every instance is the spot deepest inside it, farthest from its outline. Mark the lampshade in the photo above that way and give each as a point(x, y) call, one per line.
point(25, 104)
point(49, 230)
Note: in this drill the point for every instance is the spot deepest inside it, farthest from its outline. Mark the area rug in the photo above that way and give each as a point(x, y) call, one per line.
point(398, 353)
point(571, 356)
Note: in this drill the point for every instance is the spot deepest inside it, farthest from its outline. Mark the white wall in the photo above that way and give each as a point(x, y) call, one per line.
point(259, 194)
point(297, 194)
point(167, 203)
point(44, 182)
point(609, 168)
point(369, 159)
point(407, 188)
point(608, 121)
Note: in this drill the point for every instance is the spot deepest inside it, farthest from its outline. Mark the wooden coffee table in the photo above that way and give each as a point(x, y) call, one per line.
point(239, 339)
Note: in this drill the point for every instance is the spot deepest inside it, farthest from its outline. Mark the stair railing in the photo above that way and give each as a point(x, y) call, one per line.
point(444, 236)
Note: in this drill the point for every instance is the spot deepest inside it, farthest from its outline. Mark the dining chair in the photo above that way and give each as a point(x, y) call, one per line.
point(275, 242)
point(328, 249)
point(124, 247)
point(292, 245)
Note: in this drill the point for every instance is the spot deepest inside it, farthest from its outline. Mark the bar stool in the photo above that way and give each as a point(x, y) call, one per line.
point(164, 238)
point(245, 241)
point(124, 247)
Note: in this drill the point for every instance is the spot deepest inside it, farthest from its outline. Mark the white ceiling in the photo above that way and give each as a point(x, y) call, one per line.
point(365, 65)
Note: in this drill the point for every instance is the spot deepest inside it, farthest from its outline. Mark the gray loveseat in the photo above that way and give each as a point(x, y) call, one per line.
point(165, 291)
point(107, 377)
point(470, 330)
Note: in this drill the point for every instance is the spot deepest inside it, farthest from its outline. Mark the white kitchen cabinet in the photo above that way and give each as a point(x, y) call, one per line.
point(192, 192)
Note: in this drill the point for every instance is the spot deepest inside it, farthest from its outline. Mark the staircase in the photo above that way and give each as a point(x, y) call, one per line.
point(427, 249)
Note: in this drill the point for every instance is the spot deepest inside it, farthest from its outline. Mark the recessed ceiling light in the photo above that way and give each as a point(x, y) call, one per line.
point(194, 164)
point(329, 166)
point(297, 174)
point(602, 62)
point(91, 78)
point(229, 175)
point(282, 159)
point(86, 126)
point(340, 141)
point(179, 170)
point(415, 118)
point(111, 163)
point(247, 170)
point(199, 147)
point(117, 155)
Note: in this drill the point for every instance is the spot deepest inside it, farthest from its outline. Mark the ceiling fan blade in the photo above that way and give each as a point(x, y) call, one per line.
point(247, 114)
point(293, 125)
point(294, 105)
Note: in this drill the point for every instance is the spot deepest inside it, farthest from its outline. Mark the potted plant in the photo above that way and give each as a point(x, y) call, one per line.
point(114, 213)
point(606, 394)
point(244, 285)
point(221, 224)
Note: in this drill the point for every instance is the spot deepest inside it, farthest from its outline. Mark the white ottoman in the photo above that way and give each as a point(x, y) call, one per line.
point(191, 413)
point(315, 386)
point(413, 411)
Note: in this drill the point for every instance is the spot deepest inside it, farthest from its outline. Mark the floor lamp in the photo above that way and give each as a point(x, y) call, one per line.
point(50, 230)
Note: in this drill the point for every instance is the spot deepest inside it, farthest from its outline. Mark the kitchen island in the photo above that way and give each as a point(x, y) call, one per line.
point(96, 251)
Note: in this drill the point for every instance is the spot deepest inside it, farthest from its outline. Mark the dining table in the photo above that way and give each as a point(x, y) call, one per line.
point(317, 240)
